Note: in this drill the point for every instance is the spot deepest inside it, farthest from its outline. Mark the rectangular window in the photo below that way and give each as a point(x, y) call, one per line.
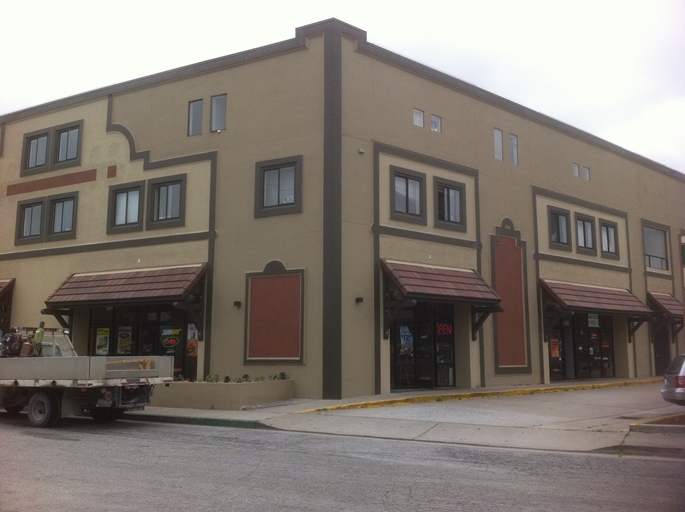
point(559, 234)
point(195, 118)
point(37, 152)
point(418, 117)
point(62, 213)
point(436, 123)
point(513, 149)
point(218, 117)
point(450, 210)
point(609, 236)
point(499, 145)
point(125, 212)
point(126, 207)
point(585, 234)
point(67, 144)
point(278, 186)
point(656, 255)
point(33, 220)
point(408, 195)
point(576, 170)
point(586, 173)
point(166, 202)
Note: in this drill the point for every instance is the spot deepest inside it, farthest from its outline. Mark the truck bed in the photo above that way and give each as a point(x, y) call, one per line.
point(85, 368)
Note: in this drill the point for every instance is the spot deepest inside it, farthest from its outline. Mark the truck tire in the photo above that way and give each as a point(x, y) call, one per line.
point(106, 415)
point(44, 410)
point(13, 410)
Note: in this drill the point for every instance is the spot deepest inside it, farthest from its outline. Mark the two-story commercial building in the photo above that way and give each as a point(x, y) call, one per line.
point(326, 208)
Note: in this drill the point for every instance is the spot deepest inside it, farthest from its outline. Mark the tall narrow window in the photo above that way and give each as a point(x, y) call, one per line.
point(586, 173)
point(513, 149)
point(418, 117)
point(609, 236)
point(62, 216)
point(585, 234)
point(576, 170)
point(195, 118)
point(655, 248)
point(33, 220)
point(559, 233)
point(499, 145)
point(449, 204)
point(218, 119)
point(37, 152)
point(67, 144)
point(436, 123)
point(408, 195)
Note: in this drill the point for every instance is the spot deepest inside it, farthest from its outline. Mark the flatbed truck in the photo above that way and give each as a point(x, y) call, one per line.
point(59, 383)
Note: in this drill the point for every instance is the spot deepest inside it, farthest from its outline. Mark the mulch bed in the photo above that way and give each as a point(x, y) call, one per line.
point(671, 420)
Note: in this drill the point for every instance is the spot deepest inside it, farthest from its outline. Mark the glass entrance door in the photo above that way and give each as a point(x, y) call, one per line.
point(422, 348)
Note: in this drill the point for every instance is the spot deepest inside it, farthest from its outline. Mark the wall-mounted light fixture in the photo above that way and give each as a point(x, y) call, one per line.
point(359, 300)
point(237, 303)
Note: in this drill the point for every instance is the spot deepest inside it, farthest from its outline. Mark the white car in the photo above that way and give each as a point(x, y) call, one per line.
point(674, 381)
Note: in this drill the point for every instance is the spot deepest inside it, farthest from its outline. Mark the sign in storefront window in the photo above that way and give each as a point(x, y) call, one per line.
point(102, 341)
point(593, 320)
point(124, 340)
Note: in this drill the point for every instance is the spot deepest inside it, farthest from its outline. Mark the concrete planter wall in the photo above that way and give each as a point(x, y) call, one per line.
point(225, 396)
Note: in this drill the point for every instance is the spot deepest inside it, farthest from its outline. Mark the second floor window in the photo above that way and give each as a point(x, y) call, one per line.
point(407, 195)
point(609, 239)
point(126, 207)
point(559, 234)
point(655, 248)
point(67, 144)
point(62, 216)
point(32, 221)
point(195, 118)
point(585, 233)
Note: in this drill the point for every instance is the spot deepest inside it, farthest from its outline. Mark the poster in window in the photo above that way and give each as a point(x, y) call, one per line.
point(125, 340)
point(593, 320)
point(406, 341)
point(102, 341)
point(192, 341)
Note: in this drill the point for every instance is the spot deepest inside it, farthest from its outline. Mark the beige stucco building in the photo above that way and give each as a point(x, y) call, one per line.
point(326, 208)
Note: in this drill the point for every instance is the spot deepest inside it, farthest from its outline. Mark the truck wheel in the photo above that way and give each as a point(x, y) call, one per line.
point(13, 410)
point(43, 410)
point(106, 415)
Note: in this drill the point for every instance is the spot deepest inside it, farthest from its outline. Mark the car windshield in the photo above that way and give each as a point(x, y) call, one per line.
point(676, 364)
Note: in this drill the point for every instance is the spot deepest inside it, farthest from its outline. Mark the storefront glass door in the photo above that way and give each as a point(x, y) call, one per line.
point(422, 347)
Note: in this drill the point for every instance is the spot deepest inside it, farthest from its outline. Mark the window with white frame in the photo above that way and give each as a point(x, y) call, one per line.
point(436, 123)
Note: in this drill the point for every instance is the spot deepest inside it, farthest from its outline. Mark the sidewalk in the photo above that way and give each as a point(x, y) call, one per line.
point(443, 416)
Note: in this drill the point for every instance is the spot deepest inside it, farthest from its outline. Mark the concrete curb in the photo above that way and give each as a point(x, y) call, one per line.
point(653, 426)
point(467, 395)
point(193, 420)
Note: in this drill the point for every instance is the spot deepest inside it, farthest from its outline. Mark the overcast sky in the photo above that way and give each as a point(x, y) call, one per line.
point(614, 68)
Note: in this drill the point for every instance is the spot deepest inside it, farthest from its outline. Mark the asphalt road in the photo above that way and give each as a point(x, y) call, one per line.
point(132, 466)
